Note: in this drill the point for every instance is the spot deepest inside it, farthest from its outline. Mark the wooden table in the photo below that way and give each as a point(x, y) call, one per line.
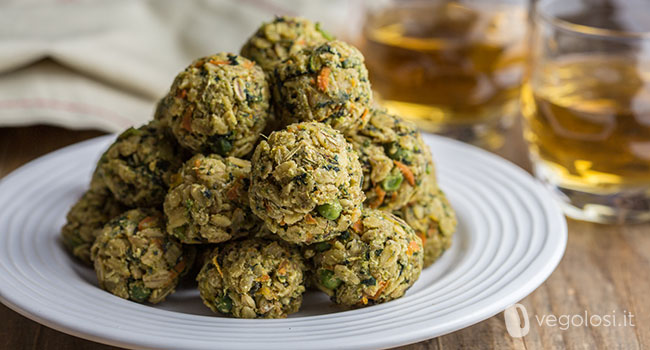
point(605, 269)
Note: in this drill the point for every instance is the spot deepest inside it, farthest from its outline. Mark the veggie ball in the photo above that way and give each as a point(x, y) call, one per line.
point(135, 259)
point(218, 104)
point(273, 42)
point(434, 221)
point(395, 160)
point(138, 166)
point(253, 278)
point(375, 261)
point(306, 183)
point(208, 201)
point(328, 83)
point(86, 219)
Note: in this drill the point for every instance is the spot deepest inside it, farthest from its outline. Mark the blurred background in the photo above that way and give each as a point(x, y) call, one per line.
point(104, 64)
point(574, 73)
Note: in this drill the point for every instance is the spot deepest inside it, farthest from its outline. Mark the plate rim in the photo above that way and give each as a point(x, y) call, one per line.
point(511, 297)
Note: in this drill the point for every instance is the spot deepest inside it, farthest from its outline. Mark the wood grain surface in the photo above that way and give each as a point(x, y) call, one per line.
point(605, 271)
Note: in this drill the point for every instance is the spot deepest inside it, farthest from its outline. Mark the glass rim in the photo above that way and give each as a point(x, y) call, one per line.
point(586, 29)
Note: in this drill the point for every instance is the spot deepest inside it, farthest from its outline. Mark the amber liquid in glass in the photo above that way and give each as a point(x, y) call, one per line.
point(447, 65)
point(588, 124)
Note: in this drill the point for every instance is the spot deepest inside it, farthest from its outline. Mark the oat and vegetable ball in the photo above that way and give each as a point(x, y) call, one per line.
point(218, 104)
point(135, 259)
point(208, 200)
point(394, 158)
point(274, 41)
point(138, 166)
point(434, 221)
point(375, 261)
point(253, 278)
point(306, 183)
point(328, 83)
point(87, 217)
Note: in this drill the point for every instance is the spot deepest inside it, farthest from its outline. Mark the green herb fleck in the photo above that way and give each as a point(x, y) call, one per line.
point(322, 246)
point(396, 152)
point(325, 34)
point(224, 304)
point(221, 145)
point(139, 293)
point(129, 132)
point(179, 232)
point(328, 280)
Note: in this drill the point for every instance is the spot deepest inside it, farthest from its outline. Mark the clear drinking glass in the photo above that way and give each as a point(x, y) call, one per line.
point(586, 103)
point(452, 66)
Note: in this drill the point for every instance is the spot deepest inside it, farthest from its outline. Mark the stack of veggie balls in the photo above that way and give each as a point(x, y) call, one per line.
point(271, 172)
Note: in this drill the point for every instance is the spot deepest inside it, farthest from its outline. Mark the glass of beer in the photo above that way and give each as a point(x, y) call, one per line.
point(454, 67)
point(586, 103)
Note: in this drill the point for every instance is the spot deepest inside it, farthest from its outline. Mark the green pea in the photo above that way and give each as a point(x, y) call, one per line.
point(224, 304)
point(392, 182)
point(139, 293)
point(330, 211)
point(328, 280)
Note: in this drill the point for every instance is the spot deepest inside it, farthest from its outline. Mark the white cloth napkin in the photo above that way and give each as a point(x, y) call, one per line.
point(104, 64)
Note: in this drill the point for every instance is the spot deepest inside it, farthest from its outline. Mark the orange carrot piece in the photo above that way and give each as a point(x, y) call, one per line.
point(218, 63)
point(146, 222)
point(179, 267)
point(408, 174)
point(216, 264)
point(323, 79)
point(175, 271)
point(310, 219)
point(413, 247)
point(182, 94)
point(364, 115)
point(381, 194)
point(422, 236)
point(187, 120)
point(263, 278)
point(282, 269)
point(383, 285)
point(157, 242)
point(233, 192)
point(358, 226)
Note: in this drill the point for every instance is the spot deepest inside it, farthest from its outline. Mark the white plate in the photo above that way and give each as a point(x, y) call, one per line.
point(510, 238)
